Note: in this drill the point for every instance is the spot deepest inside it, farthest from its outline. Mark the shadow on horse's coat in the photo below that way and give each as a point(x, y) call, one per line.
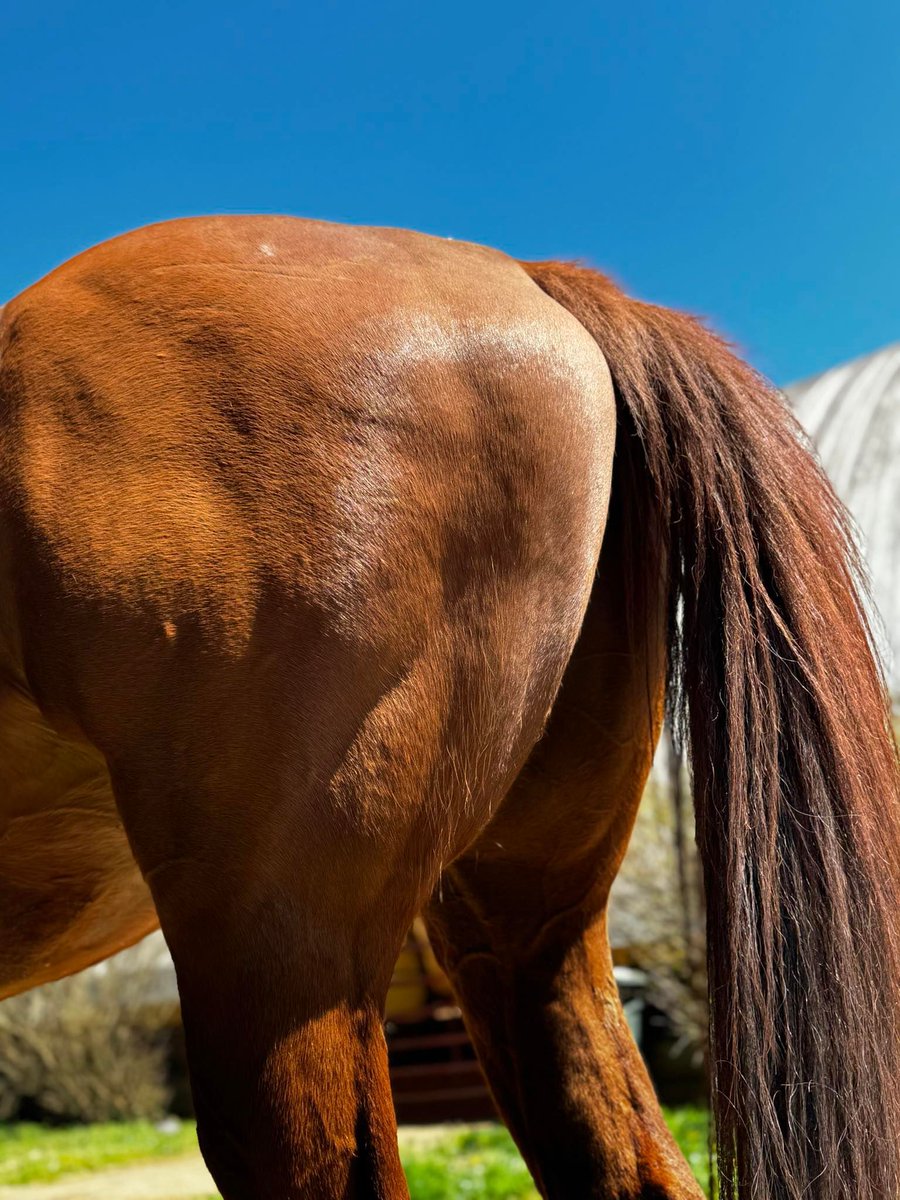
point(322, 602)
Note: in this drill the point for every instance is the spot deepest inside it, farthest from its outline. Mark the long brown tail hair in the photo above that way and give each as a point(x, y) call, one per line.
point(775, 686)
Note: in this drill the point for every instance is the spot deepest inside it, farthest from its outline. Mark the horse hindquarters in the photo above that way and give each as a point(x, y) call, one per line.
point(305, 566)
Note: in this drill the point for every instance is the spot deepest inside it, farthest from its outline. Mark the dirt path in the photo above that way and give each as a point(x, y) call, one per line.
point(163, 1179)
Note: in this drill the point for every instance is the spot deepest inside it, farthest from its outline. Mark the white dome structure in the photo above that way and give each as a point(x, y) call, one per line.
point(852, 414)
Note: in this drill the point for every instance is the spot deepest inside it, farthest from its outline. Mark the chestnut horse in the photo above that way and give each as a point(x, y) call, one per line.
point(324, 600)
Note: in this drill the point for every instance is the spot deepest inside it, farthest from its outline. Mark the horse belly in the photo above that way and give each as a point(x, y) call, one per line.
point(70, 892)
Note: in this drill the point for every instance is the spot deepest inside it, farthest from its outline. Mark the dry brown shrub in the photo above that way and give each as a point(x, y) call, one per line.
point(93, 1047)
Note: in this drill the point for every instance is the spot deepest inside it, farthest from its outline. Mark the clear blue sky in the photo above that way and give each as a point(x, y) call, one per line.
point(738, 160)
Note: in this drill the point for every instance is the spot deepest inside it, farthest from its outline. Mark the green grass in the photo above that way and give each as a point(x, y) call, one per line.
point(471, 1164)
point(691, 1129)
point(39, 1154)
point(479, 1163)
point(484, 1164)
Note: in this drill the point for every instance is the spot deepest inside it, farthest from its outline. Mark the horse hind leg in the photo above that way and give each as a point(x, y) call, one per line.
point(284, 907)
point(287, 825)
point(519, 923)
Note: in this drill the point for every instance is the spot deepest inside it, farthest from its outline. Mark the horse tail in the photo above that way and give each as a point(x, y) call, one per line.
point(774, 686)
